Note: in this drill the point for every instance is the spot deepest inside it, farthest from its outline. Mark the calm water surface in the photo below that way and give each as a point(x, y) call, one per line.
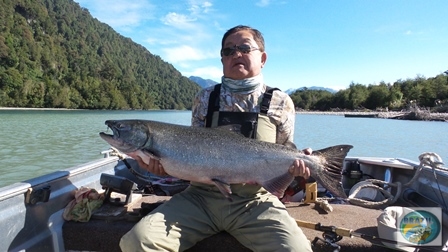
point(33, 142)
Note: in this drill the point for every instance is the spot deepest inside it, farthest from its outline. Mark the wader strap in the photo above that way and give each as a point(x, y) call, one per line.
point(213, 105)
point(264, 107)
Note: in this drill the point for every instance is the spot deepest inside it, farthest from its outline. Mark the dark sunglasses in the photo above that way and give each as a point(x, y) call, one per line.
point(245, 49)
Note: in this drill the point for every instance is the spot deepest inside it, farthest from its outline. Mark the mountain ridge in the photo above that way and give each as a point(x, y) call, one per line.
point(204, 83)
point(54, 54)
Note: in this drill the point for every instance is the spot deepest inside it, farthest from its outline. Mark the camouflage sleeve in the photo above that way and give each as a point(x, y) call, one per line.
point(282, 111)
point(199, 108)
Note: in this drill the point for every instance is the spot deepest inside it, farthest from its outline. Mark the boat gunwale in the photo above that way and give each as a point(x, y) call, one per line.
point(22, 187)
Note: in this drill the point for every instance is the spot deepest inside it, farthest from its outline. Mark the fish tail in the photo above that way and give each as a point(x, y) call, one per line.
point(331, 176)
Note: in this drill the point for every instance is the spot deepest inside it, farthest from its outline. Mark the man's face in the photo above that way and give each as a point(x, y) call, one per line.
point(241, 65)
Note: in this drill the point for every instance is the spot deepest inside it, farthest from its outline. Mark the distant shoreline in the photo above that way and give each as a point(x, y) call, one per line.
point(17, 108)
point(386, 115)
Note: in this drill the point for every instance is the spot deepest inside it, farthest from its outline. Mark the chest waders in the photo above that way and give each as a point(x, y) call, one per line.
point(253, 125)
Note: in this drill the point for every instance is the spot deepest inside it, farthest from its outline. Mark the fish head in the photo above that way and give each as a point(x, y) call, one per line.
point(127, 135)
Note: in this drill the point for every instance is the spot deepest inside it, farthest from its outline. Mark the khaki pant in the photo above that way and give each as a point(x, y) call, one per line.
point(256, 218)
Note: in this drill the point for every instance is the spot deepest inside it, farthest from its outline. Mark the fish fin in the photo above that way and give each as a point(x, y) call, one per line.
point(278, 185)
point(150, 154)
point(223, 187)
point(332, 175)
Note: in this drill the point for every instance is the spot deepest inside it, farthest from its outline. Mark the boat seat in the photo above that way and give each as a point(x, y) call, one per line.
point(103, 233)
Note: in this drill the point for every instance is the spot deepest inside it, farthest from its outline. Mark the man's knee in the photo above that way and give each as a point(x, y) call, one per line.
point(131, 242)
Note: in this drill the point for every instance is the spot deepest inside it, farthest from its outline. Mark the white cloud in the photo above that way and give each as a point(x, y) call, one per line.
point(207, 6)
point(263, 3)
point(120, 13)
point(199, 7)
point(177, 20)
point(186, 53)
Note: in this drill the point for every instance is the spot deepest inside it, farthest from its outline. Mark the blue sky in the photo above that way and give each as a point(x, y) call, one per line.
point(309, 42)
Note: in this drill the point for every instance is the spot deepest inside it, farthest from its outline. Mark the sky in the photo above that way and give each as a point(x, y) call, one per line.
point(324, 43)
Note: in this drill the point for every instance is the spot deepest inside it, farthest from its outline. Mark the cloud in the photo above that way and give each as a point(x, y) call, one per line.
point(186, 53)
point(186, 36)
point(120, 13)
point(177, 20)
point(213, 73)
point(195, 12)
point(200, 7)
point(263, 3)
point(419, 34)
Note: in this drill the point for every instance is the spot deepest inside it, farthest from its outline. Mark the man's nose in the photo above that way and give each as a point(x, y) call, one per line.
point(237, 53)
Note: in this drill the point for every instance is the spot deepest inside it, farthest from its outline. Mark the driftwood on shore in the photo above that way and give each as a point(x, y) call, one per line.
point(402, 115)
point(426, 116)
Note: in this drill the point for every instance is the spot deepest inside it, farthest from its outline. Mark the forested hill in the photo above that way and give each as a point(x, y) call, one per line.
point(54, 54)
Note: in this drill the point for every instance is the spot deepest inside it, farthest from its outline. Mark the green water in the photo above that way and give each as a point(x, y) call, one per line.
point(34, 142)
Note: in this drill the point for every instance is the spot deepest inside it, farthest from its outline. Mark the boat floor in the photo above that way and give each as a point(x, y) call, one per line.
point(104, 230)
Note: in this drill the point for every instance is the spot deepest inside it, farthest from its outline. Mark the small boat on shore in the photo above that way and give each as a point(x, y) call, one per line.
point(31, 212)
point(361, 115)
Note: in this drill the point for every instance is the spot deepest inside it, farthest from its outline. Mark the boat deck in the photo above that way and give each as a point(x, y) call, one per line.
point(103, 231)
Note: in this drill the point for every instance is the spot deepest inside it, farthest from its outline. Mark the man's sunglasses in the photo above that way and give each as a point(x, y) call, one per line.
point(244, 49)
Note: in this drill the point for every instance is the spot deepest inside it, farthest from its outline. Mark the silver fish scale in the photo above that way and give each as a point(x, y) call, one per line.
point(216, 153)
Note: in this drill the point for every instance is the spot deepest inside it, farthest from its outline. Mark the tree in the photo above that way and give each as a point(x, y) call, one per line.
point(357, 96)
point(61, 56)
point(378, 96)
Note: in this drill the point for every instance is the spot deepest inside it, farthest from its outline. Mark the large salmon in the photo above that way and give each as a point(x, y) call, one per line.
point(222, 157)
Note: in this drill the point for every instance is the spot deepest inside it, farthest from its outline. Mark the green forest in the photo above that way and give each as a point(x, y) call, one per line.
point(428, 93)
point(54, 54)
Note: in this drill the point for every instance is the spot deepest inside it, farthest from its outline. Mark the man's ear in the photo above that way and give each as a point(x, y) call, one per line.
point(264, 57)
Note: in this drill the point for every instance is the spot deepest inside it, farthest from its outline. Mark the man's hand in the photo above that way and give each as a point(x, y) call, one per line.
point(298, 168)
point(153, 166)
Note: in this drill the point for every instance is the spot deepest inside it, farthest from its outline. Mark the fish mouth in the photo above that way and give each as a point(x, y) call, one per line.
point(111, 138)
point(114, 127)
point(115, 139)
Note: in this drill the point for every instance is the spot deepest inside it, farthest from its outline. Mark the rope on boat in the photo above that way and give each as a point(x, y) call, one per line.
point(435, 162)
point(430, 159)
point(375, 184)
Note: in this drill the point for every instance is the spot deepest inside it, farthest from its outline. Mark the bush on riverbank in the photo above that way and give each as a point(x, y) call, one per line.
point(424, 92)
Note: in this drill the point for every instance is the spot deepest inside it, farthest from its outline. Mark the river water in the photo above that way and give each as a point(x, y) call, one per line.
point(36, 142)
